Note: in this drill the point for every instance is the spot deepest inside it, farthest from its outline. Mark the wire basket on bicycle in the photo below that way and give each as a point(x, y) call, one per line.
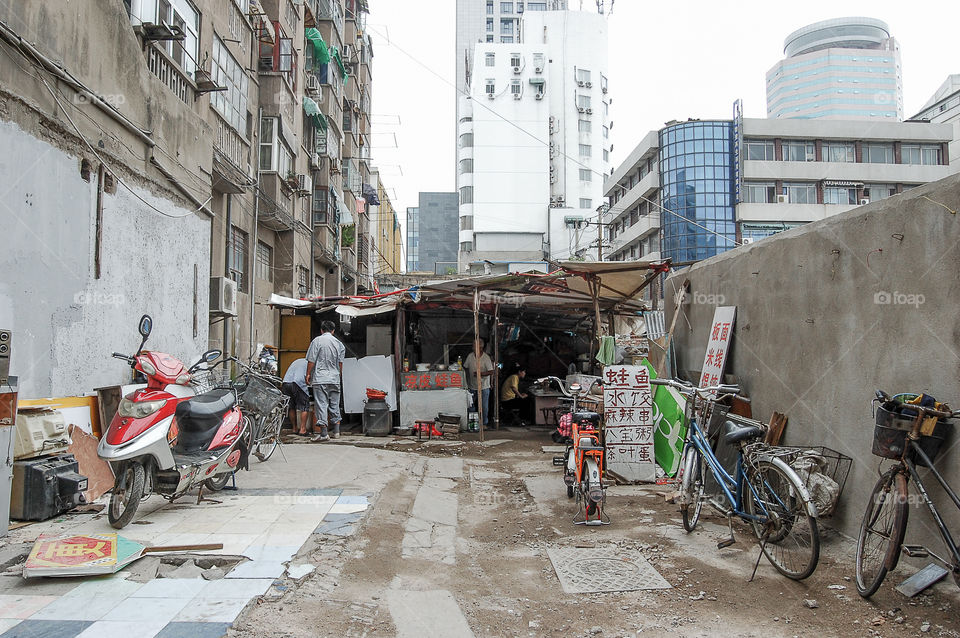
point(260, 396)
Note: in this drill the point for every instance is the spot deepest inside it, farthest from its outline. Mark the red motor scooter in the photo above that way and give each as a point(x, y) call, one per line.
point(167, 440)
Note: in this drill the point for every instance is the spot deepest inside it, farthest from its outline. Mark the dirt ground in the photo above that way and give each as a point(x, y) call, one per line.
point(511, 506)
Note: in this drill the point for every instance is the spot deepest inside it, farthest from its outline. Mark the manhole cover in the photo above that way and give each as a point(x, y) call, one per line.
point(583, 570)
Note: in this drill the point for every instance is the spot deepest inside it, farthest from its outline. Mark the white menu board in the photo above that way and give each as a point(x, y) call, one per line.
point(628, 415)
point(715, 358)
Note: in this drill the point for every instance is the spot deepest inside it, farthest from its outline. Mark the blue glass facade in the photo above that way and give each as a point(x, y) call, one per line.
point(696, 189)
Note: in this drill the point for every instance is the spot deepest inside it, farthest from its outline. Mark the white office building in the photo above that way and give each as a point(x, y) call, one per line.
point(533, 142)
point(840, 69)
point(944, 106)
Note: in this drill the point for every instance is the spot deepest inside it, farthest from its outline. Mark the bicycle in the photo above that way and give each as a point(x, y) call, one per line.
point(764, 491)
point(911, 440)
point(265, 405)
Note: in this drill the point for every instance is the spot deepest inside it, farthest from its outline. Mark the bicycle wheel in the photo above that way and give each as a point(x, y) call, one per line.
point(691, 487)
point(269, 438)
point(881, 531)
point(787, 533)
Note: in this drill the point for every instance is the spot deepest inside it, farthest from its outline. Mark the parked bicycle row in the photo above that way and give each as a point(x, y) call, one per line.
point(782, 493)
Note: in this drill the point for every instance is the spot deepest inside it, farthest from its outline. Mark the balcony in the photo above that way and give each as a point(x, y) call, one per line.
point(273, 216)
point(232, 145)
point(170, 73)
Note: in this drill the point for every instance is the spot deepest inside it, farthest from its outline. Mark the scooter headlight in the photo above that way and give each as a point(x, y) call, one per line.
point(146, 366)
point(139, 410)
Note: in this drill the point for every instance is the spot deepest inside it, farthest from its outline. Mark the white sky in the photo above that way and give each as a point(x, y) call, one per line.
point(667, 61)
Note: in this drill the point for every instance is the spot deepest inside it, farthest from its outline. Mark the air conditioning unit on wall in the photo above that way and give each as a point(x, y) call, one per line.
point(223, 296)
point(782, 199)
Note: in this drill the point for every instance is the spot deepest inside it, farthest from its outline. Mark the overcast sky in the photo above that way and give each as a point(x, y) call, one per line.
point(667, 61)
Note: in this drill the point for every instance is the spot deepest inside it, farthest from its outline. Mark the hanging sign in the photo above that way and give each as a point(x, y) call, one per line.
point(715, 358)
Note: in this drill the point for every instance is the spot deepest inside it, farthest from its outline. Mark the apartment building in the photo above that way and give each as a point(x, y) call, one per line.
point(944, 106)
point(694, 189)
point(533, 142)
point(207, 154)
point(387, 239)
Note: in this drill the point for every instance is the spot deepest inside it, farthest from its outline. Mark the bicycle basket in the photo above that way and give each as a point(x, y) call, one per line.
point(823, 472)
point(260, 396)
point(890, 434)
point(204, 380)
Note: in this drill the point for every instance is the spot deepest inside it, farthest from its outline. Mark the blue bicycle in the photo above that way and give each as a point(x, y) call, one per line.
point(764, 491)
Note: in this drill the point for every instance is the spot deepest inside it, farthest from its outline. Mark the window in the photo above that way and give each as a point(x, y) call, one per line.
point(586, 175)
point(538, 62)
point(466, 246)
point(466, 222)
point(519, 7)
point(179, 13)
point(759, 193)
point(876, 192)
point(280, 57)
point(506, 7)
point(489, 7)
point(291, 14)
point(606, 155)
point(490, 86)
point(838, 152)
point(466, 195)
point(801, 193)
point(317, 285)
point(536, 6)
point(606, 132)
point(489, 30)
point(506, 26)
point(761, 150)
point(586, 150)
point(275, 156)
point(506, 39)
point(839, 195)
point(489, 38)
point(603, 83)
point(264, 268)
point(232, 103)
point(515, 87)
point(583, 101)
point(466, 165)
point(928, 155)
point(466, 140)
point(490, 59)
point(799, 152)
point(267, 125)
point(878, 153)
point(238, 258)
point(586, 203)
point(321, 205)
point(584, 126)
point(583, 76)
point(514, 59)
point(303, 276)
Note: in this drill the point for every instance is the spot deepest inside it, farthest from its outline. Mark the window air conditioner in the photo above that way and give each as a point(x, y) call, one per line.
point(580, 109)
point(313, 84)
point(811, 157)
point(489, 96)
point(516, 96)
point(589, 111)
point(579, 82)
point(223, 296)
point(538, 69)
point(304, 184)
point(315, 161)
point(604, 89)
point(782, 199)
point(746, 240)
point(516, 70)
point(864, 201)
point(589, 85)
point(553, 178)
point(538, 96)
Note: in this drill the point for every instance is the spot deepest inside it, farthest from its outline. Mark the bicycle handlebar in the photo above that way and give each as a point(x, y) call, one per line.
point(944, 414)
point(688, 389)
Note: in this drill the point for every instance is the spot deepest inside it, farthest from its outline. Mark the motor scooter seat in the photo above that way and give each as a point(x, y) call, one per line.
point(589, 447)
point(734, 433)
point(199, 418)
point(592, 417)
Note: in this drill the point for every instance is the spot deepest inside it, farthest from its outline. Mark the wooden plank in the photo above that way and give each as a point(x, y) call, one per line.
point(673, 324)
point(778, 422)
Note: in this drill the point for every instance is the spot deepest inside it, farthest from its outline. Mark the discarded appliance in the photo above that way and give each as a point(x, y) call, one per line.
point(45, 487)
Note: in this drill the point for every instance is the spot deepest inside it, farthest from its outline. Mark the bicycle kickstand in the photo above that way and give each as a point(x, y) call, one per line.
point(730, 541)
point(763, 545)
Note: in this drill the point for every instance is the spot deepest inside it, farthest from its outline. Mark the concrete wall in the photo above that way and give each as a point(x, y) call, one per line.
point(66, 322)
point(814, 339)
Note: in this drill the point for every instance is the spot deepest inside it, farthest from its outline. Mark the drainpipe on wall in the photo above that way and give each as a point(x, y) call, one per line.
point(227, 341)
point(256, 236)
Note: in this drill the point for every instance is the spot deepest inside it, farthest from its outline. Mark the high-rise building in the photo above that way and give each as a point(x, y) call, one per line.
point(533, 141)
point(413, 239)
point(841, 69)
point(697, 188)
point(436, 232)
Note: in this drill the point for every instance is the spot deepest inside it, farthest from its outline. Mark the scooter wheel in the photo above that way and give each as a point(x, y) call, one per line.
point(217, 483)
point(569, 491)
point(124, 502)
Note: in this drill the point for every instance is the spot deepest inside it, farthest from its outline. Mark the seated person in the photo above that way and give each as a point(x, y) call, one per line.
point(514, 403)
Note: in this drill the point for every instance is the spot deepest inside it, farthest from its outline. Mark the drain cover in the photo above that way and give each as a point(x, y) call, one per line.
point(584, 570)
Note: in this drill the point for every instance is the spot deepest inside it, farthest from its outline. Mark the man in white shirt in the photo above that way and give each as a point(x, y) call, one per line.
point(324, 365)
point(474, 360)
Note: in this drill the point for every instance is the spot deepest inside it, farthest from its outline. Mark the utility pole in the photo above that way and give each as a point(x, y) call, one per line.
point(601, 210)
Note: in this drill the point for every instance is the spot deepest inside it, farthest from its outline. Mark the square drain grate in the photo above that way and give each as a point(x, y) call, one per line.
point(593, 569)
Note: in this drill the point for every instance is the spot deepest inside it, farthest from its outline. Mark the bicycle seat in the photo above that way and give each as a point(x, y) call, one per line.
point(733, 433)
point(589, 447)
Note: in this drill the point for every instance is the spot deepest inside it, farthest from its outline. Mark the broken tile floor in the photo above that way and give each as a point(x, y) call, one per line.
point(267, 521)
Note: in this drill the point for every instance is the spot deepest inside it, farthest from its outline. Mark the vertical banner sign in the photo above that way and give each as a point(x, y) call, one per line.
point(628, 413)
point(737, 150)
point(715, 358)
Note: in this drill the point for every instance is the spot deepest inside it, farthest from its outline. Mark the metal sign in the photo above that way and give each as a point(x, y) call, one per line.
point(628, 414)
point(715, 358)
point(737, 155)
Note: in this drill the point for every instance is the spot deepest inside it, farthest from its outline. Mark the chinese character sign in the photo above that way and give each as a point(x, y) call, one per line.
point(629, 417)
point(715, 358)
point(430, 380)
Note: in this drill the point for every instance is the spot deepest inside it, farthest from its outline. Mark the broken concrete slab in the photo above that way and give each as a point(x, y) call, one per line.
point(297, 572)
point(444, 468)
point(427, 613)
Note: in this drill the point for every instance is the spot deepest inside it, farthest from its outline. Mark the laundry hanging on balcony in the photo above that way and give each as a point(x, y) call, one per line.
point(321, 54)
point(312, 109)
point(370, 194)
point(343, 69)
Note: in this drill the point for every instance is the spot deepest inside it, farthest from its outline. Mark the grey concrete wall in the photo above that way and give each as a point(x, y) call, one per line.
point(831, 311)
point(65, 322)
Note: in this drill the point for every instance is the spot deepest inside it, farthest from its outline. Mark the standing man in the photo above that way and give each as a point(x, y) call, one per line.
point(324, 365)
point(295, 386)
point(479, 359)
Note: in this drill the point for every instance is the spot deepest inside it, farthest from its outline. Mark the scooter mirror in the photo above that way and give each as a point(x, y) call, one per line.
point(146, 325)
point(212, 355)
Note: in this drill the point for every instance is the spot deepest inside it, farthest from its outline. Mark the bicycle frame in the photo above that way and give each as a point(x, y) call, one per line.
point(944, 532)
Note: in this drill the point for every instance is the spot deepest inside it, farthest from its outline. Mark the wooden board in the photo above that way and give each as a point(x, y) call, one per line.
point(778, 422)
point(100, 477)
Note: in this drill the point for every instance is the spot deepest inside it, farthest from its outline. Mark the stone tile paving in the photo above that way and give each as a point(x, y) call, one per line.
point(266, 525)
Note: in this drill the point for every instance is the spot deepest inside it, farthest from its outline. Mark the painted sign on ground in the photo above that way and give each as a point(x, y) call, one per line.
point(628, 416)
point(80, 555)
point(715, 358)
